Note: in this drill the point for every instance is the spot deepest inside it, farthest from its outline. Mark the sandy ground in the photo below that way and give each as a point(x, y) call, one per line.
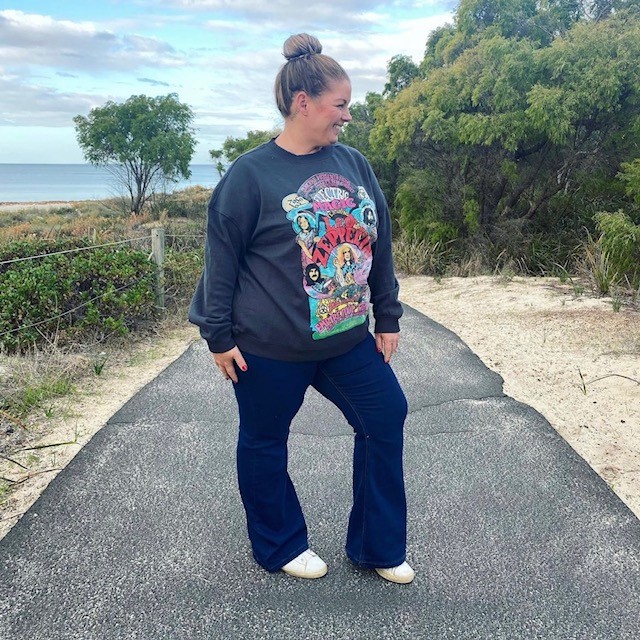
point(571, 357)
point(44, 205)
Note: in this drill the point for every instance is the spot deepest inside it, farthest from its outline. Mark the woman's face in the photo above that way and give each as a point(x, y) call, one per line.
point(346, 255)
point(303, 223)
point(328, 113)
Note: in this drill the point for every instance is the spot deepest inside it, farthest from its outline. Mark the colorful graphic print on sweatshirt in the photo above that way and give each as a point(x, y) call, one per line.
point(335, 223)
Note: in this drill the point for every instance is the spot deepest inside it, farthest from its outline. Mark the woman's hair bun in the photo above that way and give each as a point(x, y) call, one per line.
point(311, 71)
point(299, 45)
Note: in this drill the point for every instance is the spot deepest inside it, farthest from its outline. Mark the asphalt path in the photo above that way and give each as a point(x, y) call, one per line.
point(142, 536)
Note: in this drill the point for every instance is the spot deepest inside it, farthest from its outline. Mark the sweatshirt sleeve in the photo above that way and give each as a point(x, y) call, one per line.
point(231, 219)
point(383, 284)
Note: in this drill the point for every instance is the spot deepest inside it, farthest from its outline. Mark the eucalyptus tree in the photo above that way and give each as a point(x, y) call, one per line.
point(234, 147)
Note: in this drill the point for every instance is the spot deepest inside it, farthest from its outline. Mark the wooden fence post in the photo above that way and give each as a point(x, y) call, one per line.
point(157, 253)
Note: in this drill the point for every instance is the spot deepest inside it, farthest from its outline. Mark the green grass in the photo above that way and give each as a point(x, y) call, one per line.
point(37, 394)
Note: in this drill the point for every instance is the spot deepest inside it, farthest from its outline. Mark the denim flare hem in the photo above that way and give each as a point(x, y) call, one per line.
point(280, 564)
point(377, 565)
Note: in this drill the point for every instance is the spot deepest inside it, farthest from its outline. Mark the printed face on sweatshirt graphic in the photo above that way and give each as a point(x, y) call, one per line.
point(369, 217)
point(303, 223)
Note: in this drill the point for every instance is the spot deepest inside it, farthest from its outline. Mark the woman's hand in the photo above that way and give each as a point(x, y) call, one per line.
point(387, 344)
point(226, 363)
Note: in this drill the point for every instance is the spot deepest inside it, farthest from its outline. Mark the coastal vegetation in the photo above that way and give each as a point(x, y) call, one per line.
point(234, 147)
point(76, 282)
point(514, 144)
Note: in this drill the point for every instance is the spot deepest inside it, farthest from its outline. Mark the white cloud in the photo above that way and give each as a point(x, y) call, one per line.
point(29, 39)
point(26, 104)
point(295, 16)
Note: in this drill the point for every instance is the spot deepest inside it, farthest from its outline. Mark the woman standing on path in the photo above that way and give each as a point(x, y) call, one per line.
point(274, 334)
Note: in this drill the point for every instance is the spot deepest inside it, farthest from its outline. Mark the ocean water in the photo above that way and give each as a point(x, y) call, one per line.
point(42, 182)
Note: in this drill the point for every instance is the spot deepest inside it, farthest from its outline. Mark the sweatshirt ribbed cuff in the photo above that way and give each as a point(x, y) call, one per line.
point(387, 324)
point(217, 346)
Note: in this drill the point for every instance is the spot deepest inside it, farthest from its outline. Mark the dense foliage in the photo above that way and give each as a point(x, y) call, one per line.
point(145, 142)
point(522, 125)
point(63, 297)
point(521, 128)
point(182, 269)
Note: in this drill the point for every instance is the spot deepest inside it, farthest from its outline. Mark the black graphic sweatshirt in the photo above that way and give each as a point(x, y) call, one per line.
point(298, 248)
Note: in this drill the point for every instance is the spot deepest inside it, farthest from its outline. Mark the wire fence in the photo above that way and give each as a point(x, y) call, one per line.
point(62, 315)
point(76, 249)
point(157, 254)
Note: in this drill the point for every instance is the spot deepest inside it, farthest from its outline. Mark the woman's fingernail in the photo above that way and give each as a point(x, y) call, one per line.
point(244, 367)
point(379, 349)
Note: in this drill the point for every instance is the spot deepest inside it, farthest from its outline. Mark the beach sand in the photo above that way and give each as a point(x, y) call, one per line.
point(571, 357)
point(44, 206)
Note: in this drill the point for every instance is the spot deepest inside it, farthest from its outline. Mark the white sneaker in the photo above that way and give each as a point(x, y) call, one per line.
point(402, 574)
point(306, 565)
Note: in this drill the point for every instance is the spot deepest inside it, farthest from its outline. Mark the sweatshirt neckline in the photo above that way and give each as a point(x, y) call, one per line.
point(307, 157)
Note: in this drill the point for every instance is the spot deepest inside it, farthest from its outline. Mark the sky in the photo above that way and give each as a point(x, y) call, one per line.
point(62, 58)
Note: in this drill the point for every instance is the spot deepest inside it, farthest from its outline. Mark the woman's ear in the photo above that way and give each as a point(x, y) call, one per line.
point(301, 103)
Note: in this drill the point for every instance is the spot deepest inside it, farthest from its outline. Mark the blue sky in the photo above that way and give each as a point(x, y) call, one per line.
point(61, 58)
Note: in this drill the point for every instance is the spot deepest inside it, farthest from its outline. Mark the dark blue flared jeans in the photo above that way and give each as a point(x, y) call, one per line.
point(366, 390)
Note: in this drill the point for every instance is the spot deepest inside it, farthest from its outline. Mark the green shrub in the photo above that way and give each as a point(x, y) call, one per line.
point(419, 203)
point(620, 242)
point(181, 272)
point(100, 291)
point(187, 203)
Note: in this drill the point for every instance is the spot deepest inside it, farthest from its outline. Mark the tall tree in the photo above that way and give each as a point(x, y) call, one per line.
point(401, 71)
point(357, 134)
point(144, 142)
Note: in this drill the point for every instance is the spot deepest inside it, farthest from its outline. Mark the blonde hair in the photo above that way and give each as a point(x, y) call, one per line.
point(340, 261)
point(307, 69)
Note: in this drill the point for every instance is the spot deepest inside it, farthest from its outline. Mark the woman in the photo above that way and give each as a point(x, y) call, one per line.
point(274, 341)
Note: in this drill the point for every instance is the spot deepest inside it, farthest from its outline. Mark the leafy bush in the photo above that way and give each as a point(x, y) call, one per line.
point(181, 272)
point(187, 203)
point(419, 204)
point(99, 291)
point(620, 242)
